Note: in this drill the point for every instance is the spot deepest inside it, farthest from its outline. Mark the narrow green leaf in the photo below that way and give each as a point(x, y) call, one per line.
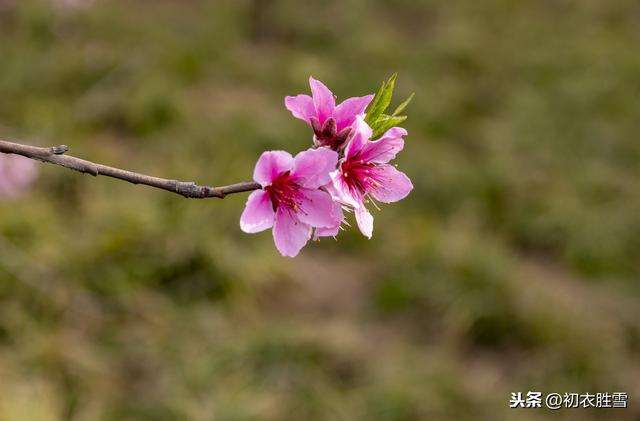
point(381, 100)
point(372, 113)
point(376, 98)
point(402, 106)
point(384, 123)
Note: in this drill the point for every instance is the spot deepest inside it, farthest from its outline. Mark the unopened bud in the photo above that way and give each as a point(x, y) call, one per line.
point(329, 129)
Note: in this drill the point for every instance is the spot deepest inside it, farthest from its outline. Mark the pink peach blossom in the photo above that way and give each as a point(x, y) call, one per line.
point(331, 124)
point(291, 201)
point(364, 174)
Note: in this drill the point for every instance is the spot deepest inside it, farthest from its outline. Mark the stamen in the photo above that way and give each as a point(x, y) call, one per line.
point(284, 192)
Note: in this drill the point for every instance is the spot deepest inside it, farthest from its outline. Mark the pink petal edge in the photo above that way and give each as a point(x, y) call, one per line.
point(384, 149)
point(361, 135)
point(313, 166)
point(289, 234)
point(316, 209)
point(395, 187)
point(335, 229)
point(347, 111)
point(258, 214)
point(270, 165)
point(365, 221)
point(301, 106)
point(323, 99)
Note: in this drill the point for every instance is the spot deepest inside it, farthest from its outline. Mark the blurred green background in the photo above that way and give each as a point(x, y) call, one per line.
point(513, 266)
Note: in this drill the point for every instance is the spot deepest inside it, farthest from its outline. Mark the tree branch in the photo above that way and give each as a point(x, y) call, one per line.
point(56, 155)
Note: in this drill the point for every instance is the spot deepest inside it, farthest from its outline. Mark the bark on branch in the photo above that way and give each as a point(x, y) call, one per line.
point(56, 155)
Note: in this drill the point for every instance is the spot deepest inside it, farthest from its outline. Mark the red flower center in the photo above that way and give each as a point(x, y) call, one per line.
point(361, 177)
point(284, 191)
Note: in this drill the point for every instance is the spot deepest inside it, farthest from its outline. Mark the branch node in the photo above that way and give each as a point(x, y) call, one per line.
point(59, 150)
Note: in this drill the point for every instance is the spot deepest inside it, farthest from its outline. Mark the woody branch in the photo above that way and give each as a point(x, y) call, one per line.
point(57, 155)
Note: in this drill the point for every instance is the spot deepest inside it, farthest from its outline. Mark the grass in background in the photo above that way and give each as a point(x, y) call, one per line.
point(513, 266)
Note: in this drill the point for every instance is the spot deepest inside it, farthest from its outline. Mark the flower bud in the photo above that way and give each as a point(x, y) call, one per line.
point(329, 129)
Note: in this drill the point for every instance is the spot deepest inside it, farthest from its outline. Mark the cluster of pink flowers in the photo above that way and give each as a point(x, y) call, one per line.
point(304, 197)
point(16, 175)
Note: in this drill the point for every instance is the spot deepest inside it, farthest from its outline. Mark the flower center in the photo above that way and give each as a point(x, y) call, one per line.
point(284, 191)
point(362, 177)
point(328, 134)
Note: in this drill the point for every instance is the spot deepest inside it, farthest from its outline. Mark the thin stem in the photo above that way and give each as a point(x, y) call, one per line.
point(56, 155)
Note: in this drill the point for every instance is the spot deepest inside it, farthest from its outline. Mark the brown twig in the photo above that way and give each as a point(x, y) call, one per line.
point(56, 155)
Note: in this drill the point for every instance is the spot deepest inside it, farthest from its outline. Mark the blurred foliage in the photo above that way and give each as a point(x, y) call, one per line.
point(513, 266)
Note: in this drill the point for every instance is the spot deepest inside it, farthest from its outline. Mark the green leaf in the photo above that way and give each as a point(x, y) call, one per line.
point(384, 123)
point(373, 112)
point(376, 117)
point(402, 106)
point(381, 101)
